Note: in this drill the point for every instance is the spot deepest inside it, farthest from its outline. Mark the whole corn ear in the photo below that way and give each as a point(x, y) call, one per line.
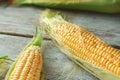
point(83, 47)
point(28, 65)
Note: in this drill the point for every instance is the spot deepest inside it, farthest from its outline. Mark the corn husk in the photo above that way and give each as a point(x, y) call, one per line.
point(4, 65)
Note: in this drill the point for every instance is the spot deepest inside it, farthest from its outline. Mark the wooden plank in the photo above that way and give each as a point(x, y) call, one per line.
point(106, 26)
point(12, 45)
point(20, 21)
point(56, 64)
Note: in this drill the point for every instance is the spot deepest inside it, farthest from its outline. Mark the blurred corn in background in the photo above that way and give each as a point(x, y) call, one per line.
point(104, 6)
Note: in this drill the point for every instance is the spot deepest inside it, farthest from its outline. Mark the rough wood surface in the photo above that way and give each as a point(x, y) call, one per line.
point(17, 27)
point(56, 65)
point(20, 21)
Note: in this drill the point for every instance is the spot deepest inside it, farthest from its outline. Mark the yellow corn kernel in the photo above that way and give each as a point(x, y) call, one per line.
point(29, 65)
point(83, 47)
point(88, 47)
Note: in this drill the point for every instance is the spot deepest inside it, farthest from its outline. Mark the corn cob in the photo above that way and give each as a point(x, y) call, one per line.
point(28, 65)
point(83, 47)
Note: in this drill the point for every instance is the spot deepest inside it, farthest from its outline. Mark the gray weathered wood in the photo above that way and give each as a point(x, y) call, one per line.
point(12, 45)
point(17, 24)
point(20, 20)
point(56, 64)
point(106, 26)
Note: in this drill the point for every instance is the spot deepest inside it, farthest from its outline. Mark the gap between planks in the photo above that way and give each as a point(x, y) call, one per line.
point(21, 35)
point(30, 36)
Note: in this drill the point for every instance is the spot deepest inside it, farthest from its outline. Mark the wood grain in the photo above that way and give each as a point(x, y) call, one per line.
point(20, 21)
point(56, 64)
point(17, 28)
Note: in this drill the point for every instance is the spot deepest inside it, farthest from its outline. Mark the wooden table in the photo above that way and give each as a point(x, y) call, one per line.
point(17, 27)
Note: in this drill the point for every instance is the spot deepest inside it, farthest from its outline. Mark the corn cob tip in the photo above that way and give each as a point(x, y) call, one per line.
point(37, 38)
point(49, 13)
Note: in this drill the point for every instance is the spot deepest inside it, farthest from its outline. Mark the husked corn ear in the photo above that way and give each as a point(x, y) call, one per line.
point(29, 65)
point(83, 47)
point(88, 47)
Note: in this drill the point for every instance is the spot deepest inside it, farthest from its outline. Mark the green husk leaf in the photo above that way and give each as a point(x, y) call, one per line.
point(4, 65)
point(37, 38)
point(3, 69)
point(49, 25)
point(3, 59)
